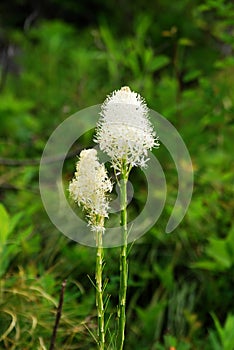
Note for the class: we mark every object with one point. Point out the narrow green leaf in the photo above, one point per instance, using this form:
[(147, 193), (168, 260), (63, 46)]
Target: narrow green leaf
[(217, 250), (158, 62), (4, 225)]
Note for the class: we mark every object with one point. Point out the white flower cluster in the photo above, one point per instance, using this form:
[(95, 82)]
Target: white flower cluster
[(124, 131), (90, 186)]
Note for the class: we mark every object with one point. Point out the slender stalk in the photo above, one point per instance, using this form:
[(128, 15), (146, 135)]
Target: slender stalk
[(99, 292), (123, 259), (58, 316)]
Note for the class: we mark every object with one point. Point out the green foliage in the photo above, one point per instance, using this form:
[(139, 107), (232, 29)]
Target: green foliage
[(10, 245), (179, 56), (223, 338), (220, 253)]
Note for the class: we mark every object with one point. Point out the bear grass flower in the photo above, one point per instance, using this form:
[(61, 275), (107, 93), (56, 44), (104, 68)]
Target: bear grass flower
[(125, 134), (89, 188), (124, 131)]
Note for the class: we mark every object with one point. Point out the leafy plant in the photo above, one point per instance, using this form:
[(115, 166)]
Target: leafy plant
[(223, 338), (220, 253), (10, 246)]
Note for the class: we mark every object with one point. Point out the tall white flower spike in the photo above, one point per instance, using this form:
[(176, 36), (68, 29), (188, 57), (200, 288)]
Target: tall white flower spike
[(124, 131), (89, 188)]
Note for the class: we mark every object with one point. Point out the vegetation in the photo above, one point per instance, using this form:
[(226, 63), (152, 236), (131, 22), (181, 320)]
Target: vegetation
[(61, 57)]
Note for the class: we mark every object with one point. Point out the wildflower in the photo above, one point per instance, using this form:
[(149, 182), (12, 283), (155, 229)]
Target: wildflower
[(124, 131), (89, 188)]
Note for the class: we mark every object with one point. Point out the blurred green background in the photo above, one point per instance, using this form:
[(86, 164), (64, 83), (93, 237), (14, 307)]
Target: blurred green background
[(58, 57)]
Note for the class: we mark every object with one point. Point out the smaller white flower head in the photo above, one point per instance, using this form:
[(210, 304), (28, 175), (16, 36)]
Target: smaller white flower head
[(90, 186), (124, 131)]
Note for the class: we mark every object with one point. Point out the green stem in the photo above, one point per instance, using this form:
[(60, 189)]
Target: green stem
[(123, 259), (99, 292)]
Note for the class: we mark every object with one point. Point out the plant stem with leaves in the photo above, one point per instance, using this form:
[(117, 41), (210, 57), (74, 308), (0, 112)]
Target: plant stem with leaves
[(99, 292), (123, 258)]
